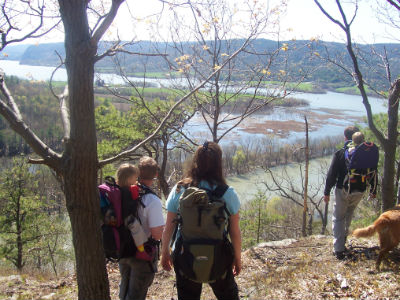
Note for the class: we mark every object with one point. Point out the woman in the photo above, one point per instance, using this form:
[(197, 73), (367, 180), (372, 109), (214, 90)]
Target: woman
[(205, 172)]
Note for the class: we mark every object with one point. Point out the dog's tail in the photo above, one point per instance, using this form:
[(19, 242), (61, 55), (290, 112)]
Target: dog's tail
[(365, 232)]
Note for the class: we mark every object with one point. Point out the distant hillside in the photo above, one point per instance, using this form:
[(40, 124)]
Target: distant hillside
[(43, 54), (14, 52), (301, 57)]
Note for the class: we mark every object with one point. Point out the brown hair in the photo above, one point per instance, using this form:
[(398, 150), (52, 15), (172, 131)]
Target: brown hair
[(125, 171), (357, 138), (205, 165), (148, 168), (349, 131)]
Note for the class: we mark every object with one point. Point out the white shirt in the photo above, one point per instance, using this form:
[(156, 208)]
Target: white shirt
[(151, 215)]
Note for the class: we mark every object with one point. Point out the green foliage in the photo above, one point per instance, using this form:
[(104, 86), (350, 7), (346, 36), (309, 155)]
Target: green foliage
[(257, 215), (40, 111), (116, 130), (31, 230), (353, 90), (239, 160), (19, 207)]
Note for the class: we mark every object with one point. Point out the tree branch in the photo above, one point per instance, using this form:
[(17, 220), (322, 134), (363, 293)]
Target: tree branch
[(396, 5), (357, 72), (163, 122), (10, 100), (65, 114), (329, 16), (51, 158), (98, 34), (120, 49), (32, 34)]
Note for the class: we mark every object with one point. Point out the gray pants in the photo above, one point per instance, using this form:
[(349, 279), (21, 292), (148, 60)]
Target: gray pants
[(136, 278), (343, 210)]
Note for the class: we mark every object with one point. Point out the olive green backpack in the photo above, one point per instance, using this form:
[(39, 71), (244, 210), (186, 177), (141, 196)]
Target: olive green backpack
[(202, 251)]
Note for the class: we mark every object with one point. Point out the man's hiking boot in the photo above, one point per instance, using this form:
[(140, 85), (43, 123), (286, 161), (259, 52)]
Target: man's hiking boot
[(340, 255), (344, 255)]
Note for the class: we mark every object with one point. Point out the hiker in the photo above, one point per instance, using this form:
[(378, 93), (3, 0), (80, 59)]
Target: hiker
[(137, 272), (349, 188), (205, 172)]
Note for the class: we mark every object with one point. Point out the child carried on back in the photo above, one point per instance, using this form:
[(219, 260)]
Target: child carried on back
[(127, 176), (357, 139)]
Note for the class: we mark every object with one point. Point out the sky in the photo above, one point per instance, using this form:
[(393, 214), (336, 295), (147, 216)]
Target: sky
[(301, 19)]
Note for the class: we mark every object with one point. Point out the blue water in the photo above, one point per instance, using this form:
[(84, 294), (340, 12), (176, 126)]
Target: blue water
[(327, 113)]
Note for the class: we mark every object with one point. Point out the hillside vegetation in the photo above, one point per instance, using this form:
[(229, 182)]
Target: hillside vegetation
[(289, 269), (301, 55)]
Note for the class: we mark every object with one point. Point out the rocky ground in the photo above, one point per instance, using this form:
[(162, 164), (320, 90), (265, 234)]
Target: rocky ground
[(288, 269)]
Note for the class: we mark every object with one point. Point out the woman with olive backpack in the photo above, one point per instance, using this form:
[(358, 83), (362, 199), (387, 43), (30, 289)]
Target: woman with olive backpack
[(203, 228)]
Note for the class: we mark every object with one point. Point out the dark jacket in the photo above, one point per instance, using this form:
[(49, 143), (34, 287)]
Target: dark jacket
[(337, 174)]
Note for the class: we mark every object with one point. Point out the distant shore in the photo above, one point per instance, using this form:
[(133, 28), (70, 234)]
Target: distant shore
[(303, 87)]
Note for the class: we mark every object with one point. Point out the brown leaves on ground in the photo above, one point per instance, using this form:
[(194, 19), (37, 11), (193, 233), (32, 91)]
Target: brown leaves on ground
[(288, 269)]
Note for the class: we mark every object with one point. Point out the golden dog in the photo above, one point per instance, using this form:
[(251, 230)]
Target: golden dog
[(388, 228)]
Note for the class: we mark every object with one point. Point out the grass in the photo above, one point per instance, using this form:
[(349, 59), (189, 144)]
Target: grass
[(164, 93), (306, 87), (158, 75), (352, 90)]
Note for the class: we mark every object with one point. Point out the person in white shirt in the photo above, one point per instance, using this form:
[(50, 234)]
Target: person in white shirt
[(137, 274)]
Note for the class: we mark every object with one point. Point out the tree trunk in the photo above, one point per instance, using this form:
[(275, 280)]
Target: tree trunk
[(310, 223), (19, 248), (259, 221), (19, 233), (161, 175), (387, 188), (390, 148), (80, 155), (305, 208)]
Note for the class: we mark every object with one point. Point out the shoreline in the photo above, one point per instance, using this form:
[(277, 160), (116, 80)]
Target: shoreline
[(315, 89)]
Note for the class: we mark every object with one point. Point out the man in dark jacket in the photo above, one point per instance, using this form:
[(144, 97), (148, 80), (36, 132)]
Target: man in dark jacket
[(345, 201)]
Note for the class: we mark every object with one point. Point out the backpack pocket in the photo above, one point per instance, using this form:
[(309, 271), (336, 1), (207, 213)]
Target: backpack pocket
[(203, 261), (110, 241)]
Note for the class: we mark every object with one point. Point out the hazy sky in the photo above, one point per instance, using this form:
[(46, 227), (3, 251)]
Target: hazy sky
[(302, 20), (307, 20)]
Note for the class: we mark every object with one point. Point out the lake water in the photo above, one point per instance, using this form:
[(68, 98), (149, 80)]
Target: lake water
[(327, 113)]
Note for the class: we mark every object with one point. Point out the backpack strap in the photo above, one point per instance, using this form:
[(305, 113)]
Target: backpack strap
[(109, 180), (218, 193), (144, 190), (220, 190)]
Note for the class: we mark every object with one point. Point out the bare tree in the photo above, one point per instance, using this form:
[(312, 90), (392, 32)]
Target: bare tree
[(14, 30), (149, 111), (218, 29), (77, 166), (388, 140), (387, 12), (284, 186)]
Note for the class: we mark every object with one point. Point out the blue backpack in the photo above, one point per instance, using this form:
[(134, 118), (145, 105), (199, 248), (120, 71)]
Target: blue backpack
[(361, 164)]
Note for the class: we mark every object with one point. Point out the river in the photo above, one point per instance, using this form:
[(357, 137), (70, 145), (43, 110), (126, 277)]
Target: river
[(327, 115), (247, 185)]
